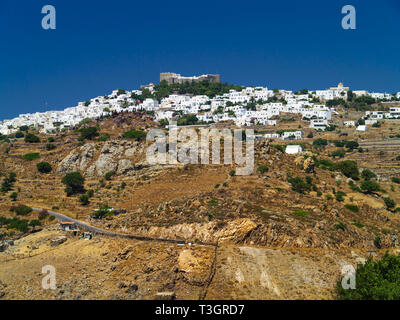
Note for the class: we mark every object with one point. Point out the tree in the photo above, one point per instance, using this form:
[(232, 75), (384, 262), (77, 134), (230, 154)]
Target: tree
[(19, 134), (320, 142), (299, 185), (351, 144), (349, 169), (375, 280), (21, 210), (338, 153), (8, 182), (74, 183), (34, 223), (14, 196), (396, 180), (88, 133), (350, 95), (369, 186), (390, 203), (44, 167), (24, 128), (50, 146), (368, 174), (31, 138)]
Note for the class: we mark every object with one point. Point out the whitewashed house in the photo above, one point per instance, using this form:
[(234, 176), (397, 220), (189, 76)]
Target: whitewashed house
[(293, 149), (362, 128)]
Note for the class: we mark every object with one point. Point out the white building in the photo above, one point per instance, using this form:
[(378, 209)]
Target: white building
[(319, 124), (362, 128), (292, 135), (349, 123), (293, 149)]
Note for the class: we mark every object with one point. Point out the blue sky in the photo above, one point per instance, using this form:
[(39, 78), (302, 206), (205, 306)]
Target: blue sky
[(101, 45)]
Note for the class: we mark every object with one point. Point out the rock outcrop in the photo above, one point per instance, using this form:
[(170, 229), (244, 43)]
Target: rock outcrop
[(119, 156)]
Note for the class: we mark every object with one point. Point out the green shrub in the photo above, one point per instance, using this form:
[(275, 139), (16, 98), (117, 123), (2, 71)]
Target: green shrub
[(24, 128), (103, 137), (368, 174), (353, 186), (19, 134), (88, 133), (390, 203), (34, 223), (340, 153), (351, 144), (339, 143), (320, 142), (299, 185), (44, 167), (109, 175), (340, 196), (90, 193), (74, 182), (134, 134), (377, 242), (262, 169), (352, 207), (232, 173), (349, 169), (301, 213), (14, 196), (340, 226), (31, 156), (324, 164), (18, 224), (31, 138), (329, 197), (8, 182), (21, 210), (375, 280), (84, 199), (50, 146), (396, 180), (369, 186), (358, 224)]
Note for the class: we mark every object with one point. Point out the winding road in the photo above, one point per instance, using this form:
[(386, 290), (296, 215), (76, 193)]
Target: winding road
[(63, 218)]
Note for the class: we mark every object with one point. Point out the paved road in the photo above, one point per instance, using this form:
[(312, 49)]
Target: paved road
[(63, 218)]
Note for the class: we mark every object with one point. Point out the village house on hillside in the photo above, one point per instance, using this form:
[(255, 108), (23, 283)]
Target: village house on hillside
[(246, 107)]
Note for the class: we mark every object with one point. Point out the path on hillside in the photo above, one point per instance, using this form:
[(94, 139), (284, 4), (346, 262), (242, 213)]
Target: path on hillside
[(63, 218)]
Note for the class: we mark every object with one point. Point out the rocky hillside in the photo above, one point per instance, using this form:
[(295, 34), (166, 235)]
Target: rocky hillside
[(304, 212)]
